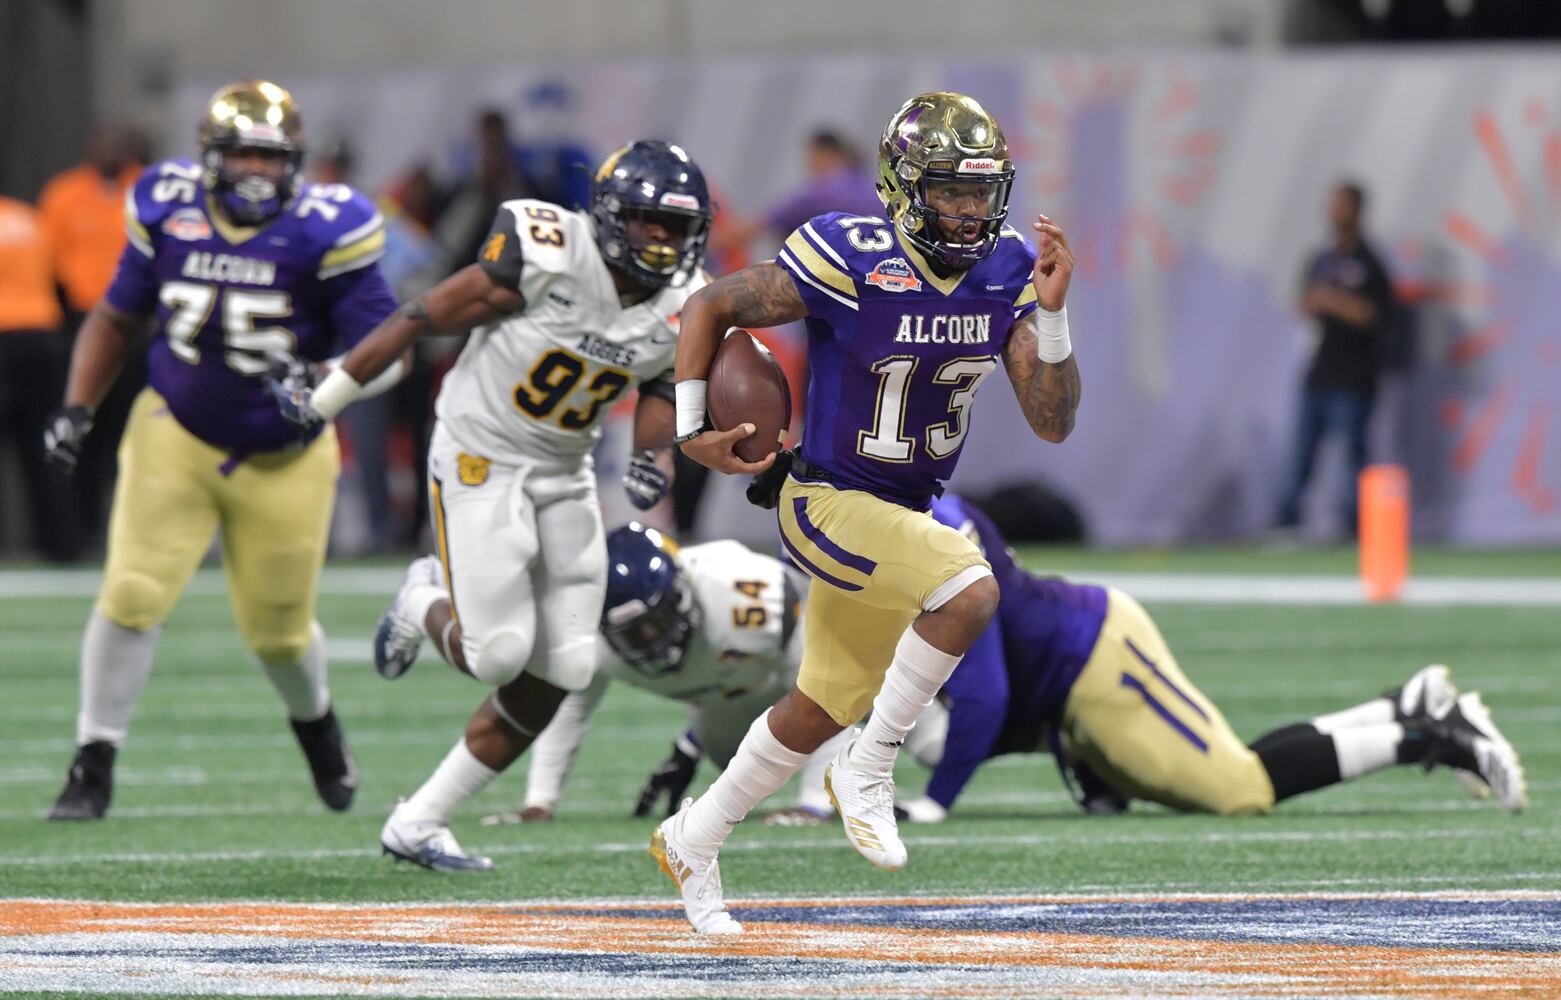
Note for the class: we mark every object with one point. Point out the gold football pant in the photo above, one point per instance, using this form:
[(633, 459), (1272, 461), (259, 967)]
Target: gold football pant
[(274, 511), (875, 566), (1135, 719)]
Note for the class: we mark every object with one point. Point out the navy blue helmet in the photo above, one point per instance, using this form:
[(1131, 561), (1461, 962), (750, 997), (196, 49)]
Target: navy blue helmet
[(651, 184), (650, 613)]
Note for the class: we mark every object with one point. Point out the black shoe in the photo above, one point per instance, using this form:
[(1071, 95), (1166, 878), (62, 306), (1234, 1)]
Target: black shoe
[(89, 786), (330, 761)]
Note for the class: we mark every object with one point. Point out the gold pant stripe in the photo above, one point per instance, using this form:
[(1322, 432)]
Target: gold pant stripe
[(437, 489)]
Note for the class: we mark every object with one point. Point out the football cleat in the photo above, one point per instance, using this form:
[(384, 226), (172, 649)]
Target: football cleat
[(427, 843), (1430, 692), (330, 761), (89, 786), (398, 637), (1471, 742), (698, 879), (865, 802)]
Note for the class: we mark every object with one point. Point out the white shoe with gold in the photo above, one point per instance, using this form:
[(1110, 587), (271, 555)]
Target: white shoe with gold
[(698, 879), (865, 801)]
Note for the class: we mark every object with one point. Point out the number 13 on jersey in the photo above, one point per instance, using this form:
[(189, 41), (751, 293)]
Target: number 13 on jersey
[(889, 440)]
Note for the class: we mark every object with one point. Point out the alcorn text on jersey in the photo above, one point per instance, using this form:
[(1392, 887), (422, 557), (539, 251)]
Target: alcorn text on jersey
[(535, 386)]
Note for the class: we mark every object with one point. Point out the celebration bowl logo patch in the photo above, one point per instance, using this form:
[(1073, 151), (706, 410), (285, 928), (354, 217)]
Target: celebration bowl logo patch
[(894, 275), (188, 224)]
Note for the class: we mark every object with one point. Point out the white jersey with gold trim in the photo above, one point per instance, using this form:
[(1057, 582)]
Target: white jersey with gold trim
[(535, 386)]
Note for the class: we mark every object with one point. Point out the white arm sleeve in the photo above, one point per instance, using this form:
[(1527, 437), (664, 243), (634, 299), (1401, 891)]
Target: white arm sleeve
[(553, 753)]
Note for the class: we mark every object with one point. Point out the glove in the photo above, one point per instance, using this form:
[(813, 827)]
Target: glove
[(764, 491), (645, 483), (922, 810), (291, 382), (672, 776), (64, 432)]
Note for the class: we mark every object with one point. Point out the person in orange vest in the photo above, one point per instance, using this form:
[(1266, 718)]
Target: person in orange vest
[(32, 374), (82, 213)]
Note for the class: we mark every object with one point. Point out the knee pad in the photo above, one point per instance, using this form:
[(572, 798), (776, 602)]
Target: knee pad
[(501, 657), (134, 601), (285, 650), (570, 667)]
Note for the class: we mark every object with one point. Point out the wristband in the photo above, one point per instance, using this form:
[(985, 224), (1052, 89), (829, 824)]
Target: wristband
[(1051, 335), (690, 394), (332, 395)]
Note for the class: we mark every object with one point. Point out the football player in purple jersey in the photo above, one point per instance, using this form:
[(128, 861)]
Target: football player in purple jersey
[(1084, 671), (906, 316), (243, 271)]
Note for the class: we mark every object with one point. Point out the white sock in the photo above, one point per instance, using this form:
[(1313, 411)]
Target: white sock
[(420, 600), (457, 778), (302, 684), (115, 664), (1364, 749), (811, 793), (913, 680), (761, 765), (1375, 712)]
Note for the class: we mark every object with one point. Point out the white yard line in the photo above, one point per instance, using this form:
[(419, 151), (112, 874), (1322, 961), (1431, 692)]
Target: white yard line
[(1189, 588), (802, 843)]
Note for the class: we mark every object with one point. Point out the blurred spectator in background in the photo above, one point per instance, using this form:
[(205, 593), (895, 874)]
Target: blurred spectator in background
[(83, 215), (553, 159), (32, 375), (838, 181), (496, 178), (1349, 293)]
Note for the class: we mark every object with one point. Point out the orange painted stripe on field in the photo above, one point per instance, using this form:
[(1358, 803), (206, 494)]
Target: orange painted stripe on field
[(1331, 969)]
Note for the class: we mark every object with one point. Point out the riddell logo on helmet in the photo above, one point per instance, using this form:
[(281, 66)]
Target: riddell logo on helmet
[(674, 200), (187, 224), (978, 166), (894, 275)]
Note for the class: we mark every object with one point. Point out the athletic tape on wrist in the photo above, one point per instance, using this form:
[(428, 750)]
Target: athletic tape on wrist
[(691, 394), (333, 394), (1051, 342)]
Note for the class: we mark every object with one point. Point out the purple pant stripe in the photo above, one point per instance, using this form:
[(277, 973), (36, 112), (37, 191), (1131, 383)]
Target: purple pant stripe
[(1146, 661), (1129, 681), (861, 564), (814, 571)]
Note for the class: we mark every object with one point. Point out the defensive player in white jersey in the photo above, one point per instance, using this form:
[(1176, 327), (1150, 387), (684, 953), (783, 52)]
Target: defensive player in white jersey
[(568, 312), (715, 626)]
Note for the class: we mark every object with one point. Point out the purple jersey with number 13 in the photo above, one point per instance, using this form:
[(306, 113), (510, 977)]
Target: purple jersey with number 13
[(896, 353), (228, 300)]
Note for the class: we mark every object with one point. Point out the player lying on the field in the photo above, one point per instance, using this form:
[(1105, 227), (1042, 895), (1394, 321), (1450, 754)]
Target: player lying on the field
[(570, 311), (245, 268), (715, 626), (1084, 671), (906, 316)]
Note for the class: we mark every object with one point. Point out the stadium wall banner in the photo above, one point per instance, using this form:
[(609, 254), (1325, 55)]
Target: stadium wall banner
[(1193, 187)]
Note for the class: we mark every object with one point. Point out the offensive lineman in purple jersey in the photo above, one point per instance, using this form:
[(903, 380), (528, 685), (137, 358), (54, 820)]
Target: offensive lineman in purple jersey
[(906, 316), (244, 270), (1085, 671)]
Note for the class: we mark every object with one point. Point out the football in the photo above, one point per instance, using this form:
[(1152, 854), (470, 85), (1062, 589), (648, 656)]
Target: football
[(748, 386)]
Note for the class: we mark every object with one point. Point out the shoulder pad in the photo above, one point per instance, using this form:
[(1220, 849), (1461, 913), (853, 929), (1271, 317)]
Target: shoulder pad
[(834, 251), (162, 189), (342, 225), (550, 236)]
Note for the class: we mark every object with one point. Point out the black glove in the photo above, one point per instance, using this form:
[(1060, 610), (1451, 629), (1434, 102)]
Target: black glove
[(765, 489), (64, 432), (645, 483), (291, 382), (672, 776)]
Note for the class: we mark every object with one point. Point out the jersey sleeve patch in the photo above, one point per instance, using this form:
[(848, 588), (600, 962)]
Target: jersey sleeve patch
[(502, 256)]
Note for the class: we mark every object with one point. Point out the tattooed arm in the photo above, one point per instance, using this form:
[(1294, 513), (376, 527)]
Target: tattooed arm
[(758, 296), (467, 298), (1048, 393)]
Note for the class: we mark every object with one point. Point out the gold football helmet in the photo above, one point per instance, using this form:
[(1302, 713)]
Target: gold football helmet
[(944, 177), (253, 115)]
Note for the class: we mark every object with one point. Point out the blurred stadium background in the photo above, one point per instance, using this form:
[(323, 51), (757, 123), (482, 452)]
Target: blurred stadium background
[(1189, 146)]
